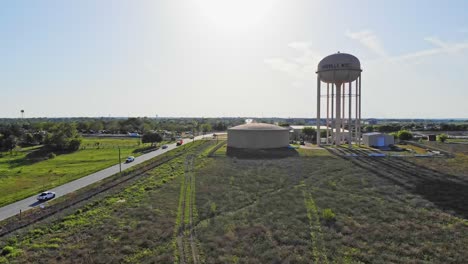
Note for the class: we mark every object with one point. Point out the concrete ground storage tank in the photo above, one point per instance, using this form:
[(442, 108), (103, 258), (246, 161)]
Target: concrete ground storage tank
[(258, 136)]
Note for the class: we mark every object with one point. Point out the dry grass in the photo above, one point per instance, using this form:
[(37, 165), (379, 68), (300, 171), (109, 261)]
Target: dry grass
[(272, 211), (310, 207)]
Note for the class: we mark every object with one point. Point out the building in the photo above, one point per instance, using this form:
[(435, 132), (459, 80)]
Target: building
[(376, 139), (258, 136)]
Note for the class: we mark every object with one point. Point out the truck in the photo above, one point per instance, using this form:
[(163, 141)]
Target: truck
[(179, 142)]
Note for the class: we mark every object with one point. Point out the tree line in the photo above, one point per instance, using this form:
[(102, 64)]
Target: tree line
[(395, 127), (64, 134), (58, 137)]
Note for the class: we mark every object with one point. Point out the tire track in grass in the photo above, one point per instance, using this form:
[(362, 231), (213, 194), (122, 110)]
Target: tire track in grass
[(180, 223), (186, 249), (191, 211), (316, 236)]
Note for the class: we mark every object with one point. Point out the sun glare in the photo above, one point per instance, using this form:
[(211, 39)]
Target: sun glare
[(235, 15)]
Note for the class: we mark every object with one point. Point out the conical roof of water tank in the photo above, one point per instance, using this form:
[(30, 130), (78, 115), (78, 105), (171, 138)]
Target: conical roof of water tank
[(339, 68)]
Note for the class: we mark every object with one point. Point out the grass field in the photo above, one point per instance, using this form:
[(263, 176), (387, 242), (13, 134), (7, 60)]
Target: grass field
[(322, 209), (309, 208), (137, 224), (22, 176)]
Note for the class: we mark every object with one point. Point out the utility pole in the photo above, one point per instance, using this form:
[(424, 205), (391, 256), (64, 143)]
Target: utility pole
[(120, 163)]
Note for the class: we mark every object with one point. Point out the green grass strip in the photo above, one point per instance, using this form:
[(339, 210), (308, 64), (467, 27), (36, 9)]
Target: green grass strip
[(318, 251)]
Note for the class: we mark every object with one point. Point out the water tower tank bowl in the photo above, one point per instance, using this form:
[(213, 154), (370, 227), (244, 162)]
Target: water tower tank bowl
[(339, 68)]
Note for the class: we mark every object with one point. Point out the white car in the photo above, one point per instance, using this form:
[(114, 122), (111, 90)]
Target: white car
[(45, 196), (129, 159)]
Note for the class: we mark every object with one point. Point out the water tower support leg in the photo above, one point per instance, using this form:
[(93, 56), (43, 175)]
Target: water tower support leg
[(343, 115), (318, 110), (332, 121), (338, 115), (328, 114), (349, 116), (359, 122), (356, 113)]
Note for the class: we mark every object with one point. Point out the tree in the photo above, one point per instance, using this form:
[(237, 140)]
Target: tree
[(219, 126), (394, 134), (63, 136), (404, 135), (206, 127), (39, 137), (96, 126), (442, 138), (309, 132), (146, 128), (10, 143), (29, 139), (151, 138)]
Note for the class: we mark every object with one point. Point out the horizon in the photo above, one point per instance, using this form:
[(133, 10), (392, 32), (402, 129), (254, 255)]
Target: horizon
[(230, 117), (198, 58)]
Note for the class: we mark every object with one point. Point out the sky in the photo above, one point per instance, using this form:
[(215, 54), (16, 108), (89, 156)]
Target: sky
[(212, 58)]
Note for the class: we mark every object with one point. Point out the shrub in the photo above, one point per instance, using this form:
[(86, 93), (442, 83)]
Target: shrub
[(74, 144), (7, 250), (328, 215), (442, 138), (51, 155), (10, 251), (404, 135), (213, 208)]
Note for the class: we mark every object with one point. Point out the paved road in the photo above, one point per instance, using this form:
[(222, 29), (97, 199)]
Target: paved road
[(31, 202)]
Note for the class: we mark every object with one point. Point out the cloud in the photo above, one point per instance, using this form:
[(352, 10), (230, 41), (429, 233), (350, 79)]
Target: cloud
[(441, 48), (150, 67), (373, 43), (369, 40), (301, 67)]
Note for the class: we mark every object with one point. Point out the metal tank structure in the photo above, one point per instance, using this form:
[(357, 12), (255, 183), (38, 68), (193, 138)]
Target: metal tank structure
[(258, 136), (341, 72)]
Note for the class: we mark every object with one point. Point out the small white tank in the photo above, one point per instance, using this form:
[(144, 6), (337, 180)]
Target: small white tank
[(339, 68)]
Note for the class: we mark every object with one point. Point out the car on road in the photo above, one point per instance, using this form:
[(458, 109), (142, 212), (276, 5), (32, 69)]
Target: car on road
[(129, 159), (46, 196), (164, 147), (179, 142)]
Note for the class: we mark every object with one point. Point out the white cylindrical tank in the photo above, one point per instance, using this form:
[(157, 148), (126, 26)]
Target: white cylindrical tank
[(258, 136), (339, 68)]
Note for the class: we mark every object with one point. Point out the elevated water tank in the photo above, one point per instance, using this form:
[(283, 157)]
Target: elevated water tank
[(339, 68)]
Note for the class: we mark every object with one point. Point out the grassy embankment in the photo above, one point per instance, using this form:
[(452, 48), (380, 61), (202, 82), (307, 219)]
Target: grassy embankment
[(310, 207), (24, 173)]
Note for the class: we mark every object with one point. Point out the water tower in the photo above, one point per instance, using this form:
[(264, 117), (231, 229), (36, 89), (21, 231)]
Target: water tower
[(336, 71)]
